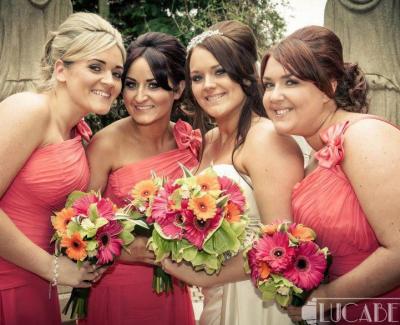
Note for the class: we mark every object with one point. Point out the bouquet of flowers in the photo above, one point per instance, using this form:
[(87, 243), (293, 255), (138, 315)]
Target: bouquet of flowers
[(140, 208), (89, 228), (199, 219), (285, 263)]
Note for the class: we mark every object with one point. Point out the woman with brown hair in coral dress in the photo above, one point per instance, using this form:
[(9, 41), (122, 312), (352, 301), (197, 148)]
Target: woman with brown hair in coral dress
[(350, 196), (42, 160), (125, 153)]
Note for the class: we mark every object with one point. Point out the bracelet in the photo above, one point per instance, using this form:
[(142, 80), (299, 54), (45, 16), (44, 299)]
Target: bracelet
[(54, 281), (56, 266)]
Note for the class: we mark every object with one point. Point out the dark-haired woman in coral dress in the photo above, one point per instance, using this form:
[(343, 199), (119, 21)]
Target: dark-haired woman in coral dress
[(125, 153), (42, 160), (351, 194)]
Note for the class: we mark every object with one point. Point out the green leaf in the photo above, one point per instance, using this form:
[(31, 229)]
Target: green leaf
[(126, 237), (282, 300), (91, 245), (75, 195), (189, 253)]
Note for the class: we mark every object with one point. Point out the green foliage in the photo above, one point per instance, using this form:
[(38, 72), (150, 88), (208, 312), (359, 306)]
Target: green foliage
[(185, 19)]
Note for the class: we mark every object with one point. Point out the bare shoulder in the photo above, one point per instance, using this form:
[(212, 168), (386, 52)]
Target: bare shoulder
[(262, 134), (106, 140), (26, 107), (371, 142)]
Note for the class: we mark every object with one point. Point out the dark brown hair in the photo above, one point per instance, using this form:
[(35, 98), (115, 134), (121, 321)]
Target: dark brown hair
[(236, 52), (315, 54), (165, 55)]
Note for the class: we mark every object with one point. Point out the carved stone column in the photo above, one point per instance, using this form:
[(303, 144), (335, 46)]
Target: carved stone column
[(24, 25), (370, 34)]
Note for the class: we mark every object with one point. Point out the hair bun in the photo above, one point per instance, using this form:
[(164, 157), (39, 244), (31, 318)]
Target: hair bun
[(352, 89)]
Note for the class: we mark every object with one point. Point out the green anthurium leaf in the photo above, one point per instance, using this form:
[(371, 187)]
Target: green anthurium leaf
[(75, 195), (268, 290), (225, 239), (74, 227), (93, 214), (91, 245), (126, 237), (282, 300), (208, 246), (189, 253)]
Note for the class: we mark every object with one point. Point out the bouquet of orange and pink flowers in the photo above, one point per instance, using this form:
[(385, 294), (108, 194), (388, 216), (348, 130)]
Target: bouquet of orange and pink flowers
[(199, 219), (285, 263), (90, 228), (140, 208)]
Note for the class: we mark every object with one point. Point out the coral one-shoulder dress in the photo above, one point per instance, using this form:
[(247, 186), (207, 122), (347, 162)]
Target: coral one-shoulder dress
[(124, 295), (326, 202), (40, 188)]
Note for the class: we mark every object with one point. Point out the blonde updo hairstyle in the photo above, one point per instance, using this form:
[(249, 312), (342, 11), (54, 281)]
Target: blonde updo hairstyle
[(80, 36)]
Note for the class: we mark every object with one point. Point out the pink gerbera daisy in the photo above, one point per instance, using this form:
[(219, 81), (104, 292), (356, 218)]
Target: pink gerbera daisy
[(308, 268), (275, 251), (231, 189), (160, 207), (82, 204), (109, 243), (198, 230), (105, 208)]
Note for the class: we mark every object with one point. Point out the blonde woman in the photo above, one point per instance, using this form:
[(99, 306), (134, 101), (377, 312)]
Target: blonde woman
[(42, 160)]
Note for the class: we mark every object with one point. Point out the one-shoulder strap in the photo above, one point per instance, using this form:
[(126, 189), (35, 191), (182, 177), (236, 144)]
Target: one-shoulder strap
[(333, 137)]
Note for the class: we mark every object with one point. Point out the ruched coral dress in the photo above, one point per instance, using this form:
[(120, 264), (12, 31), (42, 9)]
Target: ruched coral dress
[(124, 295), (326, 202), (40, 188)]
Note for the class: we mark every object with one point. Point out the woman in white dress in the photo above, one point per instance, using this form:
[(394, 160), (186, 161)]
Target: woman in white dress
[(223, 85)]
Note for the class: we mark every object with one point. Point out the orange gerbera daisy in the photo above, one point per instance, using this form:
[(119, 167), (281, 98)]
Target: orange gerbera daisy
[(232, 212), (269, 229), (264, 270), (303, 233), (61, 219), (76, 247), (144, 189), (208, 182), (203, 207)]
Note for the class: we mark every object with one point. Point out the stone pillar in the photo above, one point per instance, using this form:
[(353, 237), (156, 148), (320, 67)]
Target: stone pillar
[(370, 34), (24, 25)]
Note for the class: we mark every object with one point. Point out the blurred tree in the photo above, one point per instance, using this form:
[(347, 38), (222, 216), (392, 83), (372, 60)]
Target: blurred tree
[(184, 19)]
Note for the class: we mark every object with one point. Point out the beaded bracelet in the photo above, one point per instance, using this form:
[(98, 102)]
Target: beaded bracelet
[(54, 281), (56, 266)]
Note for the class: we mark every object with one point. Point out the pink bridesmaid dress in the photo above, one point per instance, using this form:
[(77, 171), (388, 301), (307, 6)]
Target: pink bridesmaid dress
[(124, 295), (326, 202), (39, 189)]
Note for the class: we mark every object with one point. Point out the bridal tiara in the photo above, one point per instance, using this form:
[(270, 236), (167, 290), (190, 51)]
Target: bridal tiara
[(201, 37)]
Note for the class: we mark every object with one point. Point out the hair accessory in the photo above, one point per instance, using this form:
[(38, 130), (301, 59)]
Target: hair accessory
[(201, 37)]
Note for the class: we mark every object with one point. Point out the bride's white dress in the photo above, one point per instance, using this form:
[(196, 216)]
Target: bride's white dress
[(239, 303)]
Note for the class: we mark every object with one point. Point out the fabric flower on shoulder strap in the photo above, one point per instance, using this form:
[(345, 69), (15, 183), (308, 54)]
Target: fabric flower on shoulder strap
[(333, 152), (83, 129), (186, 137)]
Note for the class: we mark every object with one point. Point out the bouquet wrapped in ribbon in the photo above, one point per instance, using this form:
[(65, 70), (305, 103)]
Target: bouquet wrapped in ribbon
[(89, 228), (285, 263), (140, 208), (199, 220)]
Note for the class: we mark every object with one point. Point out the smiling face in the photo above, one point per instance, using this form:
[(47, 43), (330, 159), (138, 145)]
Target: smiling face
[(216, 93), (144, 98), (93, 84), (295, 106)]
